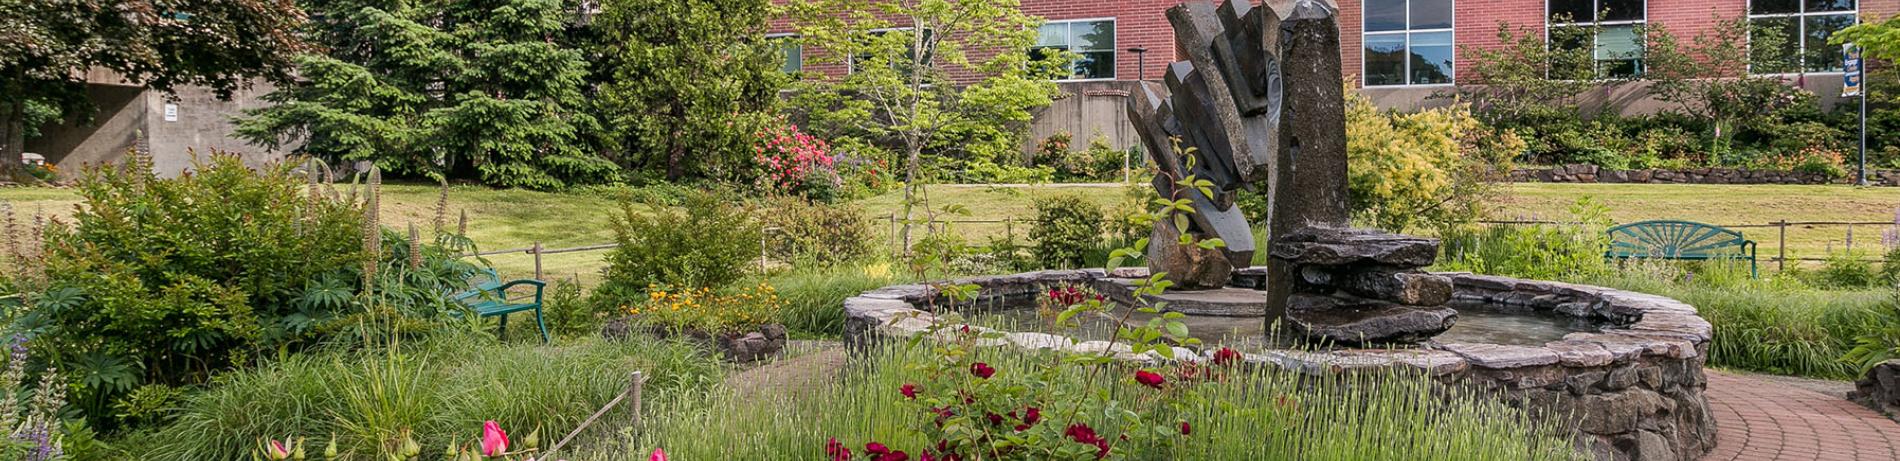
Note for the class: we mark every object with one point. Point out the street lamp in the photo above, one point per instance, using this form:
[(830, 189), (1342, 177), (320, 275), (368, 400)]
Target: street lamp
[(1141, 62)]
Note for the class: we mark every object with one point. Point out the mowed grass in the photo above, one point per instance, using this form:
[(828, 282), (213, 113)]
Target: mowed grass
[(497, 220), (1728, 205), (504, 219)]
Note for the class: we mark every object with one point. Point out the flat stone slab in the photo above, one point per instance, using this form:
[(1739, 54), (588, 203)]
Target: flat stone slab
[(1342, 246), (1218, 302), (1367, 322), (1503, 356)]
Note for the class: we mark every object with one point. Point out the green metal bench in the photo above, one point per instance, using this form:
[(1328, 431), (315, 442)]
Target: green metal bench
[(488, 297), (1681, 240)]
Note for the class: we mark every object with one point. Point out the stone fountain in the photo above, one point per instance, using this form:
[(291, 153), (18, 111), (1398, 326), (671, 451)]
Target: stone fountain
[(1258, 104)]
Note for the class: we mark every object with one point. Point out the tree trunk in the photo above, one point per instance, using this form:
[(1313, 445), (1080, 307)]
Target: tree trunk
[(913, 151), (676, 147), (12, 139)]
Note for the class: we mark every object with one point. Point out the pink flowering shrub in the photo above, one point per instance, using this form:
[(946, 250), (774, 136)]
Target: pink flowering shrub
[(796, 163)]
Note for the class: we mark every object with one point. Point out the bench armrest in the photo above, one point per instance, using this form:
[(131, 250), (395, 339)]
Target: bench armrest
[(538, 285)]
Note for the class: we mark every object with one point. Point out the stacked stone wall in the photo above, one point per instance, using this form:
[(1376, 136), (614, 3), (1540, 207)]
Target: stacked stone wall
[(1584, 173)]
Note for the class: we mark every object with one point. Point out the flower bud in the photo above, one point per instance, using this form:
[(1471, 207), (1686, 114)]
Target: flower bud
[(410, 448), (329, 451), (533, 440)]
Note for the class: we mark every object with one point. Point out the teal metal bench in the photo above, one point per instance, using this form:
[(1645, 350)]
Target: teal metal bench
[(487, 295), (1681, 240)]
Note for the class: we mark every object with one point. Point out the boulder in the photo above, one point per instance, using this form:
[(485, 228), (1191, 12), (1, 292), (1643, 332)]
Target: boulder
[(1880, 389), (1189, 267)]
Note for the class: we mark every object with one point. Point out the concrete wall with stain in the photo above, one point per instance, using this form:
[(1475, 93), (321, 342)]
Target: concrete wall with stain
[(198, 124)]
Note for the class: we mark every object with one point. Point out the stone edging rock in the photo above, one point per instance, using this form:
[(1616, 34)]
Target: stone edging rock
[(1635, 389), (1586, 173)]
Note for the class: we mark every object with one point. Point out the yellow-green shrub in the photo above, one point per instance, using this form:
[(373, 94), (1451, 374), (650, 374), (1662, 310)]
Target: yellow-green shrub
[(1425, 168)]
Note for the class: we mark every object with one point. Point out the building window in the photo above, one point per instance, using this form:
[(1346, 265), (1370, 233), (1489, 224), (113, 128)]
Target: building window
[(1791, 35), (1092, 41), (1610, 29), (1408, 42), (909, 58), (789, 48)]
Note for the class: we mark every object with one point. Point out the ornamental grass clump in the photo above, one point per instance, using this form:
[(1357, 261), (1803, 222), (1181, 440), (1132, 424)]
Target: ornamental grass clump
[(1240, 413)]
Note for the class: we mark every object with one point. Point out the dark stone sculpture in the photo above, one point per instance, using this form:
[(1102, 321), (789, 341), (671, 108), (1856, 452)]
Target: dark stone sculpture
[(1259, 103)]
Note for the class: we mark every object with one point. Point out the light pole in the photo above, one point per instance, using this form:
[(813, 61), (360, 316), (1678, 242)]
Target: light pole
[(1141, 75), (1141, 62)]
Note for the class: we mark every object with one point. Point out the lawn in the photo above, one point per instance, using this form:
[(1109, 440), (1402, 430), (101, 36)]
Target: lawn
[(503, 219)]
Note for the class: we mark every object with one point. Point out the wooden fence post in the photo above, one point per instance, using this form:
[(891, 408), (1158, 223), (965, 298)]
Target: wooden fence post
[(1781, 260), (639, 381), (537, 260)]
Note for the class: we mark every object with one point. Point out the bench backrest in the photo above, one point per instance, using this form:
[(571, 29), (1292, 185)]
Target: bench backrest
[(1673, 239), (483, 284)]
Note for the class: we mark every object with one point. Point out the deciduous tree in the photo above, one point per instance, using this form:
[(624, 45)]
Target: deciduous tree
[(47, 47), (901, 55)]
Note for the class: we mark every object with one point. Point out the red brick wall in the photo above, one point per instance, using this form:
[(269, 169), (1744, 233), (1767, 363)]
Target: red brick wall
[(1138, 23), (1142, 23)]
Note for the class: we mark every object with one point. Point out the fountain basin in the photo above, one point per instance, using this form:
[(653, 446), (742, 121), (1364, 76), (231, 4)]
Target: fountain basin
[(1625, 367)]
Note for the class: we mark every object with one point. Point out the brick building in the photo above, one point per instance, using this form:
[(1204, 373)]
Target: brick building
[(1402, 52)]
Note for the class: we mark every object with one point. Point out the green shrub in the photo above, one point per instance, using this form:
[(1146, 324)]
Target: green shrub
[(569, 313), (705, 243), (168, 281), (441, 390), (814, 232), (1066, 228), (1538, 251), (1430, 168), (1846, 270)]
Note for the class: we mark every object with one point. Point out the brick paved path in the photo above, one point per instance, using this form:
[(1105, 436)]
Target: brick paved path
[(1762, 420)]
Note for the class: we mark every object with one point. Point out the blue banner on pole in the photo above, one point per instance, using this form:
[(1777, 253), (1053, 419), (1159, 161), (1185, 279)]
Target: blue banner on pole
[(1850, 70)]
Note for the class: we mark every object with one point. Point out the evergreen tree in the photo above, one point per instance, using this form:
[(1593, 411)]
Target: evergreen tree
[(483, 89), (692, 81)]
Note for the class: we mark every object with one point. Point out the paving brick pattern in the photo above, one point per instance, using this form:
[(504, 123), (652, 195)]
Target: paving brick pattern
[(1762, 420)]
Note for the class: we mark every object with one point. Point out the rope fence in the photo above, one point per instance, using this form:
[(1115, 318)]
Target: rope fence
[(1780, 256)]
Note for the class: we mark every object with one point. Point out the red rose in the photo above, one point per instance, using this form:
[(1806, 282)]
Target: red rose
[(1032, 415), (898, 455), (875, 448), (982, 370), (836, 450), (909, 391), (1086, 435), (995, 419), (1150, 379), (1185, 429), (1226, 356), (1082, 433)]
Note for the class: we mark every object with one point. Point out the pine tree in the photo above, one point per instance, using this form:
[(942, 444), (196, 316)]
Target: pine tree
[(491, 90), (692, 81)]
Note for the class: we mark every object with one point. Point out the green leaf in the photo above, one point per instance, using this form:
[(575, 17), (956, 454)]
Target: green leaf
[(1177, 329)]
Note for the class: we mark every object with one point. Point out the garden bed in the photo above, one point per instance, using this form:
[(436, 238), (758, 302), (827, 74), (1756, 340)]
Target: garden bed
[(1634, 388)]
